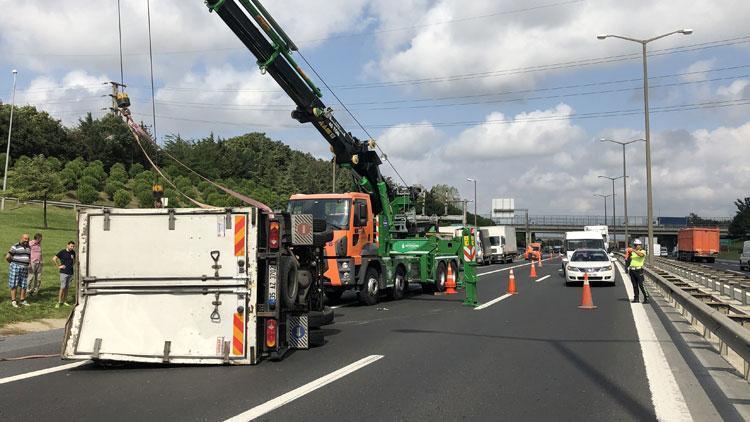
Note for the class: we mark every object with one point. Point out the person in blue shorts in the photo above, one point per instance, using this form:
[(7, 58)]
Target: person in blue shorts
[(18, 257)]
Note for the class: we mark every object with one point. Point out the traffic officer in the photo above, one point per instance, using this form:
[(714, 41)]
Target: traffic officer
[(637, 259)]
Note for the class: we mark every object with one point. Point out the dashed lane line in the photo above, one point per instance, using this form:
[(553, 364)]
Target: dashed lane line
[(509, 268), (45, 371), (669, 403), (311, 386), (543, 278), (492, 302)]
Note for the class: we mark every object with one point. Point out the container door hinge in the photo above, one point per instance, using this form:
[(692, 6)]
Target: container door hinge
[(171, 219), (106, 219)]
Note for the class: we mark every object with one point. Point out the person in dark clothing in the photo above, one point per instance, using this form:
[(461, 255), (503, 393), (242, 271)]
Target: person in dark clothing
[(64, 261)]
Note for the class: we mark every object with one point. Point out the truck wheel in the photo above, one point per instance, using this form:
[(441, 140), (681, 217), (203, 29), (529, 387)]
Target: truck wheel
[(369, 293), (288, 280), (442, 276), (334, 295), (317, 319), (399, 285)]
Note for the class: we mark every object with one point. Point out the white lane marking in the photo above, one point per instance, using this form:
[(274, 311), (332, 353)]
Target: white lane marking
[(543, 278), (283, 399), (669, 403), (43, 372), (515, 266), (493, 301), (342, 305), (736, 272)]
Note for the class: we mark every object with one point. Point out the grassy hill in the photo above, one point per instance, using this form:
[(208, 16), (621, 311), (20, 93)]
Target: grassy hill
[(16, 220)]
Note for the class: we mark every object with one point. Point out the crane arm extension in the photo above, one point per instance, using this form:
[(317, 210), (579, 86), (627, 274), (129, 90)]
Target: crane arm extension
[(272, 48)]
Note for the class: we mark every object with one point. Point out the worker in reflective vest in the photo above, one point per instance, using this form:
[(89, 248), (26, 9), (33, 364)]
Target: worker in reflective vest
[(637, 259)]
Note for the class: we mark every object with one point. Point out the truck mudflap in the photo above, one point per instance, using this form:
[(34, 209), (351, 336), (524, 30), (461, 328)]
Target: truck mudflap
[(178, 326)]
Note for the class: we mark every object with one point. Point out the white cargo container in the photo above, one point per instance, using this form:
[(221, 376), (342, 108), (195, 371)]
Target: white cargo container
[(186, 286), (503, 243)]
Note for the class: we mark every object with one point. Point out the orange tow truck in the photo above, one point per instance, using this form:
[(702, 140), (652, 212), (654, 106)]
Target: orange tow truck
[(533, 251)]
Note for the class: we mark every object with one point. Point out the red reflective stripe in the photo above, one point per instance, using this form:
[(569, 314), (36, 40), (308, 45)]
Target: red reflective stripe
[(239, 235), (239, 335)]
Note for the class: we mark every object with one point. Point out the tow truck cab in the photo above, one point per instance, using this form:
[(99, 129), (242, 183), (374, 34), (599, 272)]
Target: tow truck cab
[(355, 241)]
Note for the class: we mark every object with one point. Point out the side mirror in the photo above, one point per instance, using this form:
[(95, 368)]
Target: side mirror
[(360, 215)]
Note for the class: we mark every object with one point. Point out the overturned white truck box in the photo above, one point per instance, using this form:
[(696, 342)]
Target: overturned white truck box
[(217, 286)]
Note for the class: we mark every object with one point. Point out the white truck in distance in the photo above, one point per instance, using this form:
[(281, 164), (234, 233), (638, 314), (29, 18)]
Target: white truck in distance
[(503, 243), (195, 286), (602, 230), (581, 240)]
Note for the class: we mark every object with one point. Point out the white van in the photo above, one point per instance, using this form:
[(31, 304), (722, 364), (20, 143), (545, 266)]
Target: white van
[(745, 256)]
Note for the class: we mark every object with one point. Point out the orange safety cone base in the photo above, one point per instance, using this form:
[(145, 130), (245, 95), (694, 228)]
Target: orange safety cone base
[(533, 270), (512, 284), (450, 283)]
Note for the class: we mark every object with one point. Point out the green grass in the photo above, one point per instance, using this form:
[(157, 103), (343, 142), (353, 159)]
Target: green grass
[(15, 221), (733, 251)]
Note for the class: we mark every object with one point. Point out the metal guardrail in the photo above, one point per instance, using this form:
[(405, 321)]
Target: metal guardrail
[(61, 204), (598, 220), (730, 333)]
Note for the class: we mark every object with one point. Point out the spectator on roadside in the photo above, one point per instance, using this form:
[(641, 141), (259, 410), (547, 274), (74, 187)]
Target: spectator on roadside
[(18, 257), (35, 265), (64, 261)]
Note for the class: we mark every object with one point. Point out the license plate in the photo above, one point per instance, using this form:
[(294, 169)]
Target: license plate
[(272, 280)]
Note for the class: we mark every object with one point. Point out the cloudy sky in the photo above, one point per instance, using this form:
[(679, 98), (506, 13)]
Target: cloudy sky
[(515, 93)]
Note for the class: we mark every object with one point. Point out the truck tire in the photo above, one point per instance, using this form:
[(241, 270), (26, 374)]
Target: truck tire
[(369, 293), (400, 285), (315, 338), (441, 277), (288, 281), (317, 319)]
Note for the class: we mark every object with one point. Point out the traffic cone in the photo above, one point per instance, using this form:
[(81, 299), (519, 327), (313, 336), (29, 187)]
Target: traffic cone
[(512, 284), (450, 283), (533, 270), (540, 260), (586, 301)]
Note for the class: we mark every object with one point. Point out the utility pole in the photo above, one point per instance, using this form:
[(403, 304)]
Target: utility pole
[(624, 180), (116, 86), (10, 130)]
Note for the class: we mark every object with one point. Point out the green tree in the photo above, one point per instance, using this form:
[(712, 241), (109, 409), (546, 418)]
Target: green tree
[(145, 199), (87, 194), (135, 169), (740, 225), (38, 180), (112, 187), (122, 198), (117, 173)]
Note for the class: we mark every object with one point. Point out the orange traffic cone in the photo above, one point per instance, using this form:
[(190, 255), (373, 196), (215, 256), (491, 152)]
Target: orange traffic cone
[(533, 270), (587, 302), (540, 260), (450, 283), (512, 284)]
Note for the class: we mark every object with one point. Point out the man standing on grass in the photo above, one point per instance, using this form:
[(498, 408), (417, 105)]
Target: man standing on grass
[(35, 266), (64, 261), (18, 257)]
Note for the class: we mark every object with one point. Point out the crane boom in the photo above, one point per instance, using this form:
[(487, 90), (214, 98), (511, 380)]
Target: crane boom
[(272, 47)]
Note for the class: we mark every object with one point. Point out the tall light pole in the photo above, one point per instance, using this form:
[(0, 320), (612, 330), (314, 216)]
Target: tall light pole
[(649, 193), (475, 199), (624, 179), (614, 208), (7, 149), (605, 203)]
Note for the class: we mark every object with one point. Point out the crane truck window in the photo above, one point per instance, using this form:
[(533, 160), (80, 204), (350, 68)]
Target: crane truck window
[(334, 211)]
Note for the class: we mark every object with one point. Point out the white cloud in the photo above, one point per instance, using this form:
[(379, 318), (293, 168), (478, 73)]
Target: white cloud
[(68, 97), (523, 135), (698, 71), (410, 141)]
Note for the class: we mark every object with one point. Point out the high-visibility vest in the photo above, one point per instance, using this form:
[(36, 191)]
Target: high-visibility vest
[(636, 261)]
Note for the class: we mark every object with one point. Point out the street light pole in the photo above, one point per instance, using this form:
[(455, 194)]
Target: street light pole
[(7, 149), (649, 192), (475, 199), (614, 210), (624, 180), (605, 204)]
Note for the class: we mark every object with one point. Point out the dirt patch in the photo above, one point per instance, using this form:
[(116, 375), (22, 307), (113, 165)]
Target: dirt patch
[(24, 327)]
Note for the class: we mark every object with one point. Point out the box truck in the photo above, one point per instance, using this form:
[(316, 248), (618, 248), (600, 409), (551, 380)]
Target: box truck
[(196, 286), (698, 244), (503, 243)]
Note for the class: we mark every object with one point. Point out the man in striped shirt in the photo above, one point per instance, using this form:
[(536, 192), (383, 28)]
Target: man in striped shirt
[(19, 257)]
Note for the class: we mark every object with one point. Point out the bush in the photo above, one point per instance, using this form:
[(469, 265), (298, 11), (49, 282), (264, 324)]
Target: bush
[(112, 187), (96, 171), (135, 169), (122, 198), (145, 199), (87, 194), (91, 181), (68, 178), (118, 174)]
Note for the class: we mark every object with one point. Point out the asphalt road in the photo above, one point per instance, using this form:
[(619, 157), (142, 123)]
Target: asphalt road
[(531, 356)]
